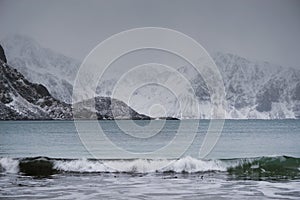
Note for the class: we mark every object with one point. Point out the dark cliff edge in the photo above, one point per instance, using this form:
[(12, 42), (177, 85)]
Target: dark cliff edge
[(2, 55), (23, 100)]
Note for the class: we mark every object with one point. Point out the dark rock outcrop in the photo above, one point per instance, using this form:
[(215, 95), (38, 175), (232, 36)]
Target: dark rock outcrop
[(2, 55), (105, 108)]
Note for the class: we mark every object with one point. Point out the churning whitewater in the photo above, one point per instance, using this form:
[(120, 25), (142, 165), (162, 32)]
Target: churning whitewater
[(276, 167)]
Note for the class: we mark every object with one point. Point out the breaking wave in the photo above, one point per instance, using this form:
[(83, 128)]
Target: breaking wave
[(260, 168)]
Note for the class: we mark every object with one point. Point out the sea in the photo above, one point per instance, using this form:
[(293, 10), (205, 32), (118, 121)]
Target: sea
[(249, 159)]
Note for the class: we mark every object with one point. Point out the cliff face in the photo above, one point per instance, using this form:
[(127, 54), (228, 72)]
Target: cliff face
[(2, 55), (22, 99)]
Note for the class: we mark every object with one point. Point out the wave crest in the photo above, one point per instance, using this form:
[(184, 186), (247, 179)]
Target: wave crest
[(244, 168)]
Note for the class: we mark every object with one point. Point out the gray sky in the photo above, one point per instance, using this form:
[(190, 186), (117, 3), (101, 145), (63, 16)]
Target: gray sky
[(267, 30)]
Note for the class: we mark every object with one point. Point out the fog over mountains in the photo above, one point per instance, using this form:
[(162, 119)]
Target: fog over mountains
[(254, 90)]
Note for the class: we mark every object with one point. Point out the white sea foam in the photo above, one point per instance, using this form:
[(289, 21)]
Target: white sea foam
[(81, 165), (186, 164), (9, 165), (182, 165)]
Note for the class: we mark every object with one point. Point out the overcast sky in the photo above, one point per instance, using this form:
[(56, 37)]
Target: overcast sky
[(267, 30)]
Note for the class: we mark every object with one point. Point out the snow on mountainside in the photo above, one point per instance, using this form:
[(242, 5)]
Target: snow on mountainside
[(21, 99), (42, 65), (259, 89), (253, 89)]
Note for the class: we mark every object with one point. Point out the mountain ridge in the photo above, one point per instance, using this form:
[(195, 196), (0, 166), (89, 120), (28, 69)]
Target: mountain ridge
[(21, 99), (254, 90)]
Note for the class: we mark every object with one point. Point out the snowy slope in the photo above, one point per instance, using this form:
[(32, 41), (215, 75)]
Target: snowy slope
[(21, 99), (258, 89), (42, 65), (253, 89)]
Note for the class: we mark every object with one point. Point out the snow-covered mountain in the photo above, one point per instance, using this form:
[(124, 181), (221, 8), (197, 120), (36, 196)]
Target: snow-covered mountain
[(253, 89), (21, 99), (42, 65), (259, 89)]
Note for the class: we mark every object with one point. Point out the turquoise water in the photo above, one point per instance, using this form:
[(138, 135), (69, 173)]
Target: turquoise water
[(251, 159), (239, 138)]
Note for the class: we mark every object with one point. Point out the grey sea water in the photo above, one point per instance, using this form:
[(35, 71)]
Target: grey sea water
[(252, 159)]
